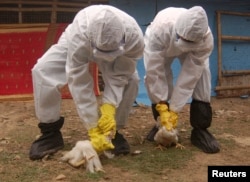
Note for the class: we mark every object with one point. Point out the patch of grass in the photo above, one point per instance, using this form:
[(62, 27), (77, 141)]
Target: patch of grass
[(214, 130), (5, 157), (228, 130), (93, 176), (230, 120), (24, 173), (21, 137), (152, 160), (32, 173), (228, 142), (245, 120)]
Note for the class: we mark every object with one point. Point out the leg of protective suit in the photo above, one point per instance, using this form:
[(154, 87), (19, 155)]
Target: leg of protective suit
[(170, 78), (202, 90), (129, 96), (201, 114), (122, 113), (48, 77)]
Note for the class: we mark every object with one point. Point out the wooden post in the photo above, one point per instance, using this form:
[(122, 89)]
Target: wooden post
[(20, 17), (219, 47), (53, 12)]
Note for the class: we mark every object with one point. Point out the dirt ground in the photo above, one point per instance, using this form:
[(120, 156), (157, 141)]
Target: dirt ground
[(18, 128)]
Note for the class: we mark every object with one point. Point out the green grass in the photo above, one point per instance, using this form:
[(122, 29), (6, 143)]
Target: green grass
[(5, 157), (19, 170), (93, 176), (152, 160), (228, 143)]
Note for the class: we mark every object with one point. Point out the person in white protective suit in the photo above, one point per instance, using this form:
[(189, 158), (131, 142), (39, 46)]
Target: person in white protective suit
[(183, 34), (112, 39)]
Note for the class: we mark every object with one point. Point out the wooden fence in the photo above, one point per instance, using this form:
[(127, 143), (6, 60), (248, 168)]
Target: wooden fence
[(231, 83), (45, 11)]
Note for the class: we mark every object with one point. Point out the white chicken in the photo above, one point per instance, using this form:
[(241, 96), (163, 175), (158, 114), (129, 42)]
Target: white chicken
[(84, 154), (167, 138)]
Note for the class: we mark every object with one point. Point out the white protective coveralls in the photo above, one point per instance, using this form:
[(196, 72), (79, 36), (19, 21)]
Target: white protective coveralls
[(163, 44), (95, 28)]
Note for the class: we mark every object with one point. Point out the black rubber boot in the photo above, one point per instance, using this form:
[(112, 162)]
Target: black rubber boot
[(200, 119), (204, 140), (121, 145), (151, 134), (50, 142), (154, 130)]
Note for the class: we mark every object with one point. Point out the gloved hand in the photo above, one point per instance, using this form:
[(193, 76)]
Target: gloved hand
[(168, 118), (107, 123), (99, 141), (173, 118)]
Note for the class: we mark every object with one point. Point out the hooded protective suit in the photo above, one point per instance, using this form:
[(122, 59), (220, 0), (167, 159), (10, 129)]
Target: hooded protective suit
[(183, 34), (98, 33)]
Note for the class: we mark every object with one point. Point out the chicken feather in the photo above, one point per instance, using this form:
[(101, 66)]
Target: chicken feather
[(167, 138)]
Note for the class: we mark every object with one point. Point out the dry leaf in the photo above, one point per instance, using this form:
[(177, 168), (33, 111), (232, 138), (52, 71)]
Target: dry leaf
[(60, 177), (17, 157)]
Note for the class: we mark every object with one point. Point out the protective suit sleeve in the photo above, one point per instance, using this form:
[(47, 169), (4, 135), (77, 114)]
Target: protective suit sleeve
[(115, 76), (193, 67), (154, 62)]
